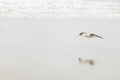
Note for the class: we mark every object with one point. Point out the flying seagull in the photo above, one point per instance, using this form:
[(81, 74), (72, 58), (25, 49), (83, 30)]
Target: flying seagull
[(87, 61), (91, 35)]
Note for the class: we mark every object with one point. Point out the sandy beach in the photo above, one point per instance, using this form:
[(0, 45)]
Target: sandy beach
[(34, 49), (39, 39)]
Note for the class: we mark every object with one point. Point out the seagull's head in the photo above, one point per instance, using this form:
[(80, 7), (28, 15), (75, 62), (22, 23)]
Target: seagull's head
[(82, 33), (79, 59)]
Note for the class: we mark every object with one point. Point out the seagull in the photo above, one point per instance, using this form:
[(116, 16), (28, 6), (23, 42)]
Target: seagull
[(91, 35), (89, 61)]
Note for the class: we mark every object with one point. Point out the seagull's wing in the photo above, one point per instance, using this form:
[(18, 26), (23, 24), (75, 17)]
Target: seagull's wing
[(98, 36)]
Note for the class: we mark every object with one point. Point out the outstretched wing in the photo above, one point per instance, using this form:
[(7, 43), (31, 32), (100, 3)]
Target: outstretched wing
[(98, 36)]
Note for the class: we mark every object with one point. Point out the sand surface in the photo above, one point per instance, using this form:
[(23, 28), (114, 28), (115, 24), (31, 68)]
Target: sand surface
[(32, 49)]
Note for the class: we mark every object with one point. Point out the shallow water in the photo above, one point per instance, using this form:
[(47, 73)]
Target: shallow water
[(60, 9)]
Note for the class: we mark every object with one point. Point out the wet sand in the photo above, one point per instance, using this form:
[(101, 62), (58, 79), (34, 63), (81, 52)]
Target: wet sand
[(34, 49)]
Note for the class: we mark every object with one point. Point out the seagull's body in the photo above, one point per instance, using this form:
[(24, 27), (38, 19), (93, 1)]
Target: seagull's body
[(89, 35), (87, 61)]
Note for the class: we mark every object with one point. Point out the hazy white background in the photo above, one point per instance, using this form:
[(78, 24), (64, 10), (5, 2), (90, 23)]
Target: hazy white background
[(48, 48)]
